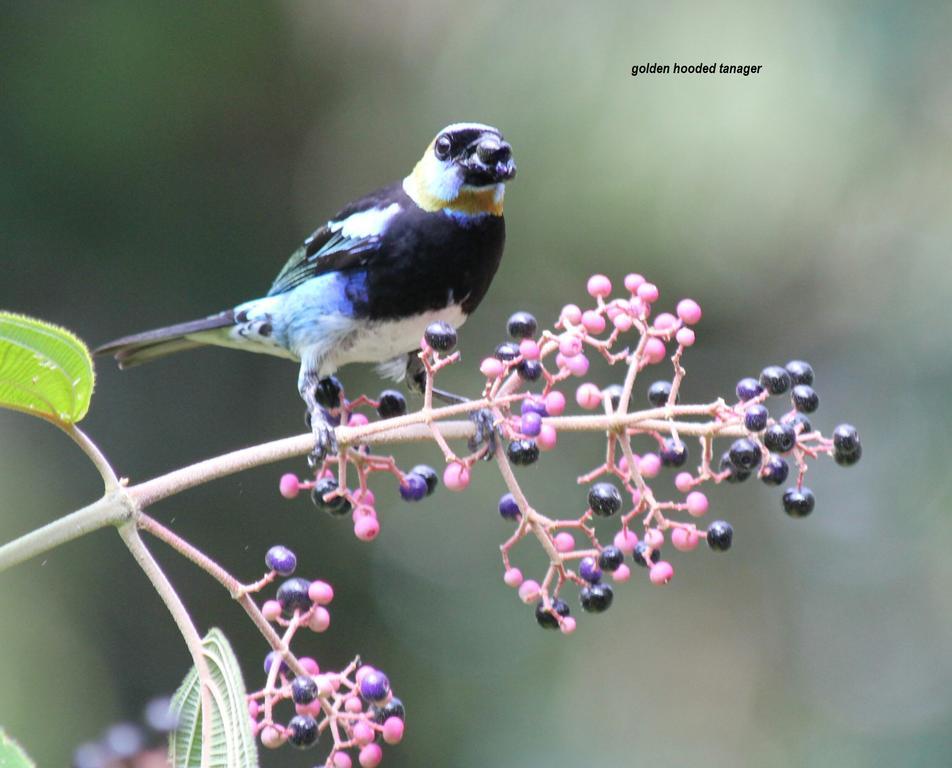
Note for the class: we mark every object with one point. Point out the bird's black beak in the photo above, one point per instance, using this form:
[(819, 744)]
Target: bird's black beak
[(491, 162)]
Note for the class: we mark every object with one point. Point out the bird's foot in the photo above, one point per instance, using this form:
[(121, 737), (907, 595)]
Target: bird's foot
[(487, 433), (325, 439)]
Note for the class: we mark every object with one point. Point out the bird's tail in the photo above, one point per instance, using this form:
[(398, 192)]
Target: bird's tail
[(144, 347)]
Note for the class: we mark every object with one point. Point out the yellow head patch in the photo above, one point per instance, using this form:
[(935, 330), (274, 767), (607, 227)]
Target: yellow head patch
[(436, 185)]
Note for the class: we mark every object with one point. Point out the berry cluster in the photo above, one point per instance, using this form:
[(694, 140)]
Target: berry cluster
[(355, 705)]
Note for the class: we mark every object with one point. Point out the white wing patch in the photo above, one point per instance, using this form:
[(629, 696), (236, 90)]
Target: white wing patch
[(370, 223)]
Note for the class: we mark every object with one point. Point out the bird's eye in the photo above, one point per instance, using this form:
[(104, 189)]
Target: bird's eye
[(442, 147)]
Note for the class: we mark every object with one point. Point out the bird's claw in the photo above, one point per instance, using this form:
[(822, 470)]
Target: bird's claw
[(487, 433), (325, 441)]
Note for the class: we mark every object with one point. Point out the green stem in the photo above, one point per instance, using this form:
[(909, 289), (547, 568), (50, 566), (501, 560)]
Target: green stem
[(112, 509)]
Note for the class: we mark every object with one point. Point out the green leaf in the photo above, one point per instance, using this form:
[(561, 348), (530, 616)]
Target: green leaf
[(232, 743), (44, 370), (12, 754)]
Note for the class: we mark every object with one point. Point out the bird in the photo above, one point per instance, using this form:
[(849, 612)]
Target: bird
[(364, 286)]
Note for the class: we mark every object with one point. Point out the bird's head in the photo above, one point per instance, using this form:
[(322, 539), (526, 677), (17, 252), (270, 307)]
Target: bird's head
[(463, 170)]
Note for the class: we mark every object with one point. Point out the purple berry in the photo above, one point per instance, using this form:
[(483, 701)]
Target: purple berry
[(748, 389), (303, 689), (508, 507), (337, 506), (736, 475), (798, 422), (375, 687), (800, 372), (529, 370), (271, 658), (673, 453), (441, 336), (611, 558), (391, 404), (281, 560), (640, 555), (805, 398), (774, 471), (507, 351), (429, 475), (393, 708), (847, 449), (531, 424), (522, 453), (745, 454), (780, 438), (755, 419), (522, 325), (413, 488), (798, 502), (604, 499), (588, 569), (533, 405), (546, 618)]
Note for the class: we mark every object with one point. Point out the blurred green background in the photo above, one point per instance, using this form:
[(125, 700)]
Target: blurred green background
[(159, 162)]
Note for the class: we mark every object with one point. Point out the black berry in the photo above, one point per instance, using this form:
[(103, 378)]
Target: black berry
[(529, 370), (441, 336), (720, 536), (673, 453), (780, 438), (546, 618), (800, 372), (507, 351), (659, 392), (337, 505), (610, 558), (596, 598), (392, 403), (735, 475), (847, 449), (604, 499), (303, 689), (523, 452), (755, 419), (522, 325), (798, 502), (292, 595), (775, 379), (745, 454), (302, 731), (613, 393), (798, 419), (805, 398), (640, 555), (393, 708), (775, 471)]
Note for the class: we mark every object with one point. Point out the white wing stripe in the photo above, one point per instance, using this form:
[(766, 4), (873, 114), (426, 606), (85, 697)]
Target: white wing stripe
[(372, 223)]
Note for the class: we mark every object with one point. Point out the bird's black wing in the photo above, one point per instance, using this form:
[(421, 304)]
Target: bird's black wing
[(329, 249)]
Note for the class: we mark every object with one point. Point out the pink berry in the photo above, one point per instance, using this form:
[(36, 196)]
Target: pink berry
[(357, 420), (564, 541), (361, 673), (491, 368), (661, 572), (599, 285), (632, 281), (342, 760), (622, 574), (325, 687), (689, 311), (393, 730), (623, 322), (456, 476), (366, 528), (623, 463), (529, 591), (320, 620), (588, 396), (310, 665), (363, 734), (626, 540), (321, 592), (664, 321), (370, 756), (353, 704), (364, 511), (365, 496), (684, 482), (635, 497), (654, 538), (271, 737), (513, 577), (569, 345), (567, 625), (547, 437), (289, 486), (593, 322), (578, 365), (648, 292), (314, 708), (571, 313), (697, 503), (650, 465), (685, 337), (684, 539), (555, 403), (655, 350), (271, 609), (529, 349), (253, 709)]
